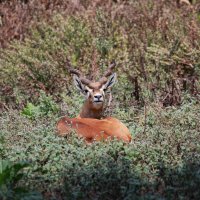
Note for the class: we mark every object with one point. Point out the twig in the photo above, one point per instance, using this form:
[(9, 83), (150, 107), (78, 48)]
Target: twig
[(145, 117)]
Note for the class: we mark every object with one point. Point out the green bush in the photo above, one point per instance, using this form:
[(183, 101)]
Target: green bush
[(10, 175), (31, 111), (45, 107), (156, 164)]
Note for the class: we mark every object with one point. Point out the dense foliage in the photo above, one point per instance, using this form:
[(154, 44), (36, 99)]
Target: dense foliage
[(156, 47), (162, 161), (154, 43)]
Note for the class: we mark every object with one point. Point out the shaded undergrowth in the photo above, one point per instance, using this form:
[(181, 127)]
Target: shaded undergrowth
[(162, 161)]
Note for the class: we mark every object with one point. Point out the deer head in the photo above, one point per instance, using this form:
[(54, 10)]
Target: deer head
[(93, 91)]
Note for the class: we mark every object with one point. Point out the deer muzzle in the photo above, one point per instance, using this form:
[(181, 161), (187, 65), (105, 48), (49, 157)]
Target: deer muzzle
[(98, 98)]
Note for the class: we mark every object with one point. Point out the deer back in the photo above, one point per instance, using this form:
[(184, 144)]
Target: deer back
[(94, 129)]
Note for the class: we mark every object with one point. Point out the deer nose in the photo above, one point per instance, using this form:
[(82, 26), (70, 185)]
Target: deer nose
[(98, 96)]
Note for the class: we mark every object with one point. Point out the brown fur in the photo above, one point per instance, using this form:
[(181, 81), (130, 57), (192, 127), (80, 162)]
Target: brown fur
[(94, 129), (88, 111)]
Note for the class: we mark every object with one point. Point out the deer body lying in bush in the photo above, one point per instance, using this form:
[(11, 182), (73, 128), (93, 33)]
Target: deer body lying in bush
[(90, 123)]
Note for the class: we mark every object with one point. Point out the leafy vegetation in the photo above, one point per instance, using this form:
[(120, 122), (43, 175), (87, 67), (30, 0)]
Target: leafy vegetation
[(156, 47), (9, 177), (46, 107), (156, 50), (162, 161)]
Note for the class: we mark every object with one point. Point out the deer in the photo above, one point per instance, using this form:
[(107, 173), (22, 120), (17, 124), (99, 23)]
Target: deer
[(91, 123)]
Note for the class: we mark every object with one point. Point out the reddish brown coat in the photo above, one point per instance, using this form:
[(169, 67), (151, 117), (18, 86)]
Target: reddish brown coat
[(94, 129)]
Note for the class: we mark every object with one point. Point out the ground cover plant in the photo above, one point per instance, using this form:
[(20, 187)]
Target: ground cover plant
[(156, 47), (9, 176), (160, 162)]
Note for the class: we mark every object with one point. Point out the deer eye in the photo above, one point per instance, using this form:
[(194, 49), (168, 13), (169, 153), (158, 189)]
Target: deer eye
[(86, 91)]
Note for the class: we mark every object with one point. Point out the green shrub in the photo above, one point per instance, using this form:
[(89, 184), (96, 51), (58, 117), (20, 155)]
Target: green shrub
[(10, 175), (45, 107), (164, 148), (31, 111)]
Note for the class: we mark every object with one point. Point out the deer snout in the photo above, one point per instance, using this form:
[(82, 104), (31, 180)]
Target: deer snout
[(98, 98)]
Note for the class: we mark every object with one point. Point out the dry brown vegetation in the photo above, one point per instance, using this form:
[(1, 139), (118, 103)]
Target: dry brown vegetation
[(155, 44)]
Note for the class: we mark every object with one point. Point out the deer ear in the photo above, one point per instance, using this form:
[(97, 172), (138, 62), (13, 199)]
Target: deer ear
[(79, 85), (111, 81)]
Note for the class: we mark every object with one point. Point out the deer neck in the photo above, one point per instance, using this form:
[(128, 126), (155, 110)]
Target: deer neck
[(88, 111)]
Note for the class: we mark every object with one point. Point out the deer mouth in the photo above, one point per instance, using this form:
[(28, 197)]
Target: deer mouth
[(98, 102)]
